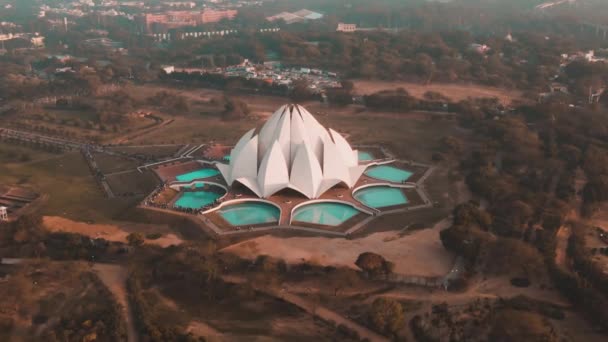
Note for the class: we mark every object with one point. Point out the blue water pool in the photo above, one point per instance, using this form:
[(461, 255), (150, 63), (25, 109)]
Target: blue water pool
[(202, 173), (381, 196), (389, 173), (365, 156), (227, 157), (243, 214), (327, 214), (196, 199)]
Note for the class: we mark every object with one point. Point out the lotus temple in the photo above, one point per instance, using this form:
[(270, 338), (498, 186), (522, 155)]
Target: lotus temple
[(290, 173)]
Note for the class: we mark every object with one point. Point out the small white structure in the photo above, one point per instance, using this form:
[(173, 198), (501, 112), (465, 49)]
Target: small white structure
[(3, 214), (292, 151), (342, 27)]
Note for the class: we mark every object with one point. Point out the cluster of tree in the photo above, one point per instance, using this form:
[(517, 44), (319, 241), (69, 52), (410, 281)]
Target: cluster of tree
[(63, 302), (517, 319), (190, 275), (235, 109), (446, 56), (27, 238), (230, 84), (387, 316), (583, 261), (170, 102), (95, 316), (526, 171)]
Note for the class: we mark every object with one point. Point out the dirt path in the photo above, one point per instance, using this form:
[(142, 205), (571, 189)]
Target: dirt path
[(112, 232), (492, 288), (115, 278), (561, 257), (199, 328), (315, 309)]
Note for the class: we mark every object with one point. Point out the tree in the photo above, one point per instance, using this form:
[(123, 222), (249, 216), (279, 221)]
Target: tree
[(136, 239), (374, 264), (300, 91), (386, 315)]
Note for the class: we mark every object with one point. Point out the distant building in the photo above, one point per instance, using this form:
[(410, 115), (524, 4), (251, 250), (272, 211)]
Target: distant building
[(296, 17), (288, 18), (3, 214), (105, 43), (180, 4), (309, 15), (176, 19), (342, 27), (557, 87), (479, 48), (37, 41)]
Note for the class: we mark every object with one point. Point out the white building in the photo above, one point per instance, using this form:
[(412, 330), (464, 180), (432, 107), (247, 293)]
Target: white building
[(342, 27), (3, 214), (292, 151)]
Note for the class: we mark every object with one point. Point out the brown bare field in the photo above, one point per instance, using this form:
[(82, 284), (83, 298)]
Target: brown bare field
[(418, 254), (112, 232), (455, 92)]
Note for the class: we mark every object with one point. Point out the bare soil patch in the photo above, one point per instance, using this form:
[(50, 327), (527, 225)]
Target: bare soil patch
[(112, 232), (420, 253)]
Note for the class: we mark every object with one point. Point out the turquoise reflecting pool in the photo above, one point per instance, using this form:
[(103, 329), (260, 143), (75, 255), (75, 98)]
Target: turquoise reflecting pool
[(389, 173), (381, 196), (365, 156), (249, 213), (327, 214), (227, 157), (202, 173), (197, 199)]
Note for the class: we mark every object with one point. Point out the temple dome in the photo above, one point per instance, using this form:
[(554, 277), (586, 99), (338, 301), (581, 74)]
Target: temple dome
[(292, 150)]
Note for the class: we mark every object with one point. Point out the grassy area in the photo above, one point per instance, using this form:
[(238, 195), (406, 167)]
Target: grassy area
[(132, 182), (159, 151), (191, 130), (12, 153), (109, 163), (72, 191)]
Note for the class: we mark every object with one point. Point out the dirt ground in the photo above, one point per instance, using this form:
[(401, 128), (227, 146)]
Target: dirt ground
[(455, 92), (418, 254), (112, 232)]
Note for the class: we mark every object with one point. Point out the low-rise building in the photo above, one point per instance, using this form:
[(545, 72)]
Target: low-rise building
[(342, 27)]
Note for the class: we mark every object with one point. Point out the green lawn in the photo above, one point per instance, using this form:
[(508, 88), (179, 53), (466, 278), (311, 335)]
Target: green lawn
[(71, 189), (13, 154)]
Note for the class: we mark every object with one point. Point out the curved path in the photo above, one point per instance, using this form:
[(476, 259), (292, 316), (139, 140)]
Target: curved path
[(314, 308), (115, 279)]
